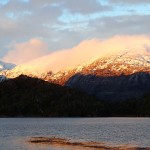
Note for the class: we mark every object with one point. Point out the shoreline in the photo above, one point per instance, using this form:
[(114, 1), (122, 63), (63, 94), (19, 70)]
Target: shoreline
[(53, 141)]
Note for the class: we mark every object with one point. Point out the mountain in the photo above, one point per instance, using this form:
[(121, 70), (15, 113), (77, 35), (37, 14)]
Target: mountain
[(6, 66), (117, 77), (122, 75), (113, 64), (124, 63)]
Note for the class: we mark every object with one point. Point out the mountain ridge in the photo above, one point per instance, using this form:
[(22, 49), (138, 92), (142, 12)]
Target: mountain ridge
[(131, 66), (115, 65), (126, 62)]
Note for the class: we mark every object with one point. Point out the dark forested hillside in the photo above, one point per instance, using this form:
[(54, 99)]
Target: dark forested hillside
[(25, 96), (31, 97), (134, 107)]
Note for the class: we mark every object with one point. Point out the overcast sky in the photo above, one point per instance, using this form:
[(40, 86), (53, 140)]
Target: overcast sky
[(39, 27)]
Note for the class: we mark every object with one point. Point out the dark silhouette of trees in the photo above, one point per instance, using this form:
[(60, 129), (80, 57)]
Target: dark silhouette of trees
[(32, 97)]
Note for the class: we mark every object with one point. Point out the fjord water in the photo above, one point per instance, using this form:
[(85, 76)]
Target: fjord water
[(15, 132)]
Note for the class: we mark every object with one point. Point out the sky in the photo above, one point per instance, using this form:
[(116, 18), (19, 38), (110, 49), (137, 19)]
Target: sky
[(30, 29)]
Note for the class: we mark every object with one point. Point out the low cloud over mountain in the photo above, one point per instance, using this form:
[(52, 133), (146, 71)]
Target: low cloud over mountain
[(85, 51)]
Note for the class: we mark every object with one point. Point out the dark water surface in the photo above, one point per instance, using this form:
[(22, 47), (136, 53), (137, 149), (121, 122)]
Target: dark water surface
[(14, 132)]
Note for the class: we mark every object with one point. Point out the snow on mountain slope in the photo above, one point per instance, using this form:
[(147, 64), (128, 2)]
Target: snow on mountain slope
[(125, 62), (63, 60), (6, 66), (117, 77)]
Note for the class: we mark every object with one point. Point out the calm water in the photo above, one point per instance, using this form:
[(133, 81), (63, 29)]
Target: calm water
[(15, 132)]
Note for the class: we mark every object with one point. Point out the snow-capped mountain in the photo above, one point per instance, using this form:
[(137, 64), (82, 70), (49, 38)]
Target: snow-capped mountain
[(125, 63), (6, 66), (117, 77), (121, 75)]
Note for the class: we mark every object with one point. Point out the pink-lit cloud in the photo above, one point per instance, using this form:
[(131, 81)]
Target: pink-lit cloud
[(26, 51), (85, 51)]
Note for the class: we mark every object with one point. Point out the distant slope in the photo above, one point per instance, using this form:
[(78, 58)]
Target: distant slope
[(6, 66), (115, 88)]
